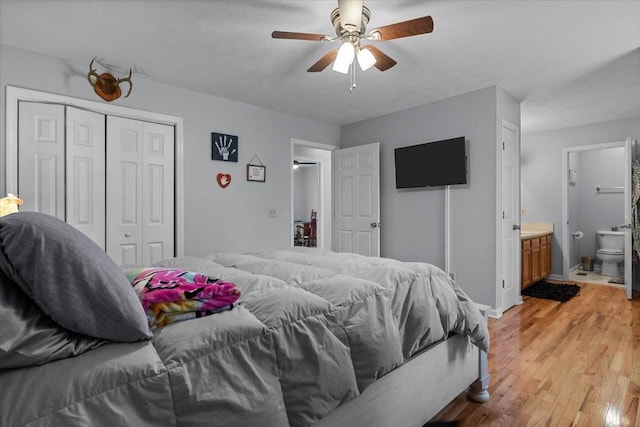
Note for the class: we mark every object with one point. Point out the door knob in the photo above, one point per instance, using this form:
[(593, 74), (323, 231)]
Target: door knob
[(127, 234), (516, 227), (375, 225)]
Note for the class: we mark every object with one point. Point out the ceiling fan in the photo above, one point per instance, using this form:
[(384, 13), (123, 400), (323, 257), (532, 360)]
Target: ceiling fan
[(350, 21)]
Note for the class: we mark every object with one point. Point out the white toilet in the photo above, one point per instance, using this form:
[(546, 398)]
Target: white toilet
[(611, 252)]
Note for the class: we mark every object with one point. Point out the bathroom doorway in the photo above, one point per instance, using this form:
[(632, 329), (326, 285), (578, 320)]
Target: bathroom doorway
[(596, 196)]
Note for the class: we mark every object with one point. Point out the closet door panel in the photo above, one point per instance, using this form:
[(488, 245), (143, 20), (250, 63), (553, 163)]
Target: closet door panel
[(85, 173), (41, 160), (124, 189), (157, 192), (112, 178)]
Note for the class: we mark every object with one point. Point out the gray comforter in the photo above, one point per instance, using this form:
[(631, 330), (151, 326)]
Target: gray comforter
[(311, 331)]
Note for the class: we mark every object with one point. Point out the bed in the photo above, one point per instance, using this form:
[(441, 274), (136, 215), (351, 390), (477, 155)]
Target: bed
[(315, 338)]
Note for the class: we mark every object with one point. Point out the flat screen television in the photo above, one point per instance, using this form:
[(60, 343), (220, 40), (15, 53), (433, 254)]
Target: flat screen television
[(431, 164)]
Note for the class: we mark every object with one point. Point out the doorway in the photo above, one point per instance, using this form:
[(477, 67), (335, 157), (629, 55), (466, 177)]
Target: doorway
[(311, 191), (306, 201), (596, 200)]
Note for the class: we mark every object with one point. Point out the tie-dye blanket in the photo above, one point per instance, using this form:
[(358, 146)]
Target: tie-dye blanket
[(170, 295)]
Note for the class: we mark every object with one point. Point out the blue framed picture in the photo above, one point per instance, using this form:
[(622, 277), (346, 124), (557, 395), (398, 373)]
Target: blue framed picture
[(224, 147)]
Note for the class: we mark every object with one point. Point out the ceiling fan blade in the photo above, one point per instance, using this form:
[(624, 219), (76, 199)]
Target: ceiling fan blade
[(409, 28), (298, 36), (350, 14), (383, 61), (322, 63)]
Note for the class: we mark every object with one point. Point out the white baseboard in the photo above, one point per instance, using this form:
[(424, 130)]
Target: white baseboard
[(494, 314)]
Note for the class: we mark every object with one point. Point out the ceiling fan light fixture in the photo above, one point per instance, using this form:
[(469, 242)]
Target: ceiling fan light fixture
[(344, 58), (366, 59)]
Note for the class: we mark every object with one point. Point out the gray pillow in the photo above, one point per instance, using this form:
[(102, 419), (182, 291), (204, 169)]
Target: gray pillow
[(70, 278), (28, 337)]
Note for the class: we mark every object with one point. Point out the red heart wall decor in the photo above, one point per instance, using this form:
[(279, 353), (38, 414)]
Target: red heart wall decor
[(224, 179)]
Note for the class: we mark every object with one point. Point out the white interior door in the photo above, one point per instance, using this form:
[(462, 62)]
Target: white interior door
[(510, 200), (140, 191), (157, 192), (356, 199), (124, 190), (628, 227), (41, 159), (85, 173)]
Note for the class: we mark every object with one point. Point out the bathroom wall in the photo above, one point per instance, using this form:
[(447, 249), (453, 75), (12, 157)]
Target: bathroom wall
[(596, 211)]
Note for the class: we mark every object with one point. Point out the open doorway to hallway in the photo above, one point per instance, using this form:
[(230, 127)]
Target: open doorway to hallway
[(311, 204)]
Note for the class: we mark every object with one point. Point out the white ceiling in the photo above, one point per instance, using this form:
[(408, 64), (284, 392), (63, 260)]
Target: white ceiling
[(569, 62)]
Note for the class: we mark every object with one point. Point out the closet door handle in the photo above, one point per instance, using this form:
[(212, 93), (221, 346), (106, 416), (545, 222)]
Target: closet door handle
[(127, 234)]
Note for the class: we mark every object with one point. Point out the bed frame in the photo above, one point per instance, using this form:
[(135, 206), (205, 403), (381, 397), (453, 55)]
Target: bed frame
[(412, 394)]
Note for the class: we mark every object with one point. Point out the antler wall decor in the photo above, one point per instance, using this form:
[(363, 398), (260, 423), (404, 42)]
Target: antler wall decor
[(106, 85)]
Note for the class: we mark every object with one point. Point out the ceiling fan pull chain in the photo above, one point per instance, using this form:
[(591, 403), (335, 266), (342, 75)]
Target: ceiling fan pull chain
[(353, 77)]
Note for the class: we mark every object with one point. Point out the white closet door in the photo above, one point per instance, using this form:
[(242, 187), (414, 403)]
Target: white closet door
[(41, 161), (85, 206), (157, 192), (124, 190), (140, 191)]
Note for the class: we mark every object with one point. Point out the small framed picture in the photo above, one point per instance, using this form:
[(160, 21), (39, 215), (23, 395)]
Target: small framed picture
[(256, 173), (224, 147)]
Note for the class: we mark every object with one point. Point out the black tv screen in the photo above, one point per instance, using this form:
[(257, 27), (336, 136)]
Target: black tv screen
[(431, 164)]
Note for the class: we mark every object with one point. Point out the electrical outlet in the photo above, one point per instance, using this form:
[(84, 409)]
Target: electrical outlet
[(272, 213)]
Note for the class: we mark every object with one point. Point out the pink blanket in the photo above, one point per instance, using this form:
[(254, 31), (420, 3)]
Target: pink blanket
[(170, 295)]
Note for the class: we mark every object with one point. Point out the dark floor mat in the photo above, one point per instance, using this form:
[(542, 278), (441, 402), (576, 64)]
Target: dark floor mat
[(556, 292)]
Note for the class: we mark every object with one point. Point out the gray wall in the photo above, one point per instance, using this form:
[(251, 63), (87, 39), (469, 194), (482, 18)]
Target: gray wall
[(541, 170), (413, 219), (235, 218)]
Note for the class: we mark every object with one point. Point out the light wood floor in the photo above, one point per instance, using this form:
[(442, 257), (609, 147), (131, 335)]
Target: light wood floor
[(561, 364)]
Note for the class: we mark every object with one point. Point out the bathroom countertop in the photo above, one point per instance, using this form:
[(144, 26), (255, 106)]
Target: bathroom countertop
[(532, 234), (529, 230)]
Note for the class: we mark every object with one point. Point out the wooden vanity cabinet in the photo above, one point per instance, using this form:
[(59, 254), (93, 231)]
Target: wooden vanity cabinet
[(535, 259), (525, 268), (545, 255)]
